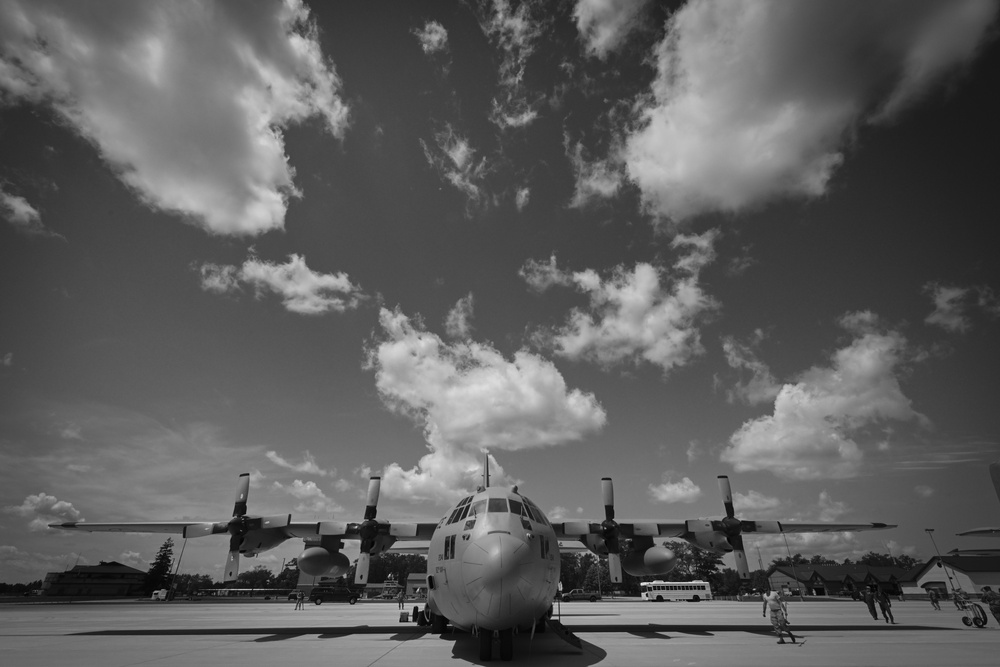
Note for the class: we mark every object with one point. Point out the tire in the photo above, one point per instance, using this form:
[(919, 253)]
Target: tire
[(506, 644), (659, 598), (696, 598), (485, 645), (978, 622), (353, 600), (967, 621), (439, 624), (318, 601), (593, 598)]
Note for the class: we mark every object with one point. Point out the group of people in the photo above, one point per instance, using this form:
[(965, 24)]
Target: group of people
[(874, 595)]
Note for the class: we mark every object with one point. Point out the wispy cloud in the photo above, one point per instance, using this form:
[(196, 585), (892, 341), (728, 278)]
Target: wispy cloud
[(311, 498), (454, 158), (756, 100), (301, 289), (308, 464), (604, 24), (432, 36), (23, 217), (186, 101), (954, 305), (458, 323), (761, 387)]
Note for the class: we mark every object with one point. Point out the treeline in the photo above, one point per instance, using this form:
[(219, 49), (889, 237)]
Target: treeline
[(20, 589)]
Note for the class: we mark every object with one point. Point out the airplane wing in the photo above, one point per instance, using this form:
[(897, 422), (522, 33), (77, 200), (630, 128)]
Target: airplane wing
[(176, 527), (981, 532), (400, 531)]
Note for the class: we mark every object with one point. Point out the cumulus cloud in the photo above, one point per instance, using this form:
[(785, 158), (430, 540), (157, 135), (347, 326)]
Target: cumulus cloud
[(185, 100), (604, 24), (813, 430), (311, 497), (684, 491), (754, 501), (433, 37), (458, 321), (761, 387), (468, 398), (42, 509), (756, 100), (830, 509), (35, 565), (633, 316), (308, 465), (953, 305), (23, 217), (302, 290)]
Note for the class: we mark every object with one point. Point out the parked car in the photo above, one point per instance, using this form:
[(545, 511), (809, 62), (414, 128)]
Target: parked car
[(322, 594), (581, 594)]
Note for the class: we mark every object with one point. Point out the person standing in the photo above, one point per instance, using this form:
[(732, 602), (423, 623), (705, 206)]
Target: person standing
[(992, 599), (401, 598), (885, 605), (934, 598), (300, 599), (778, 610), (870, 601)]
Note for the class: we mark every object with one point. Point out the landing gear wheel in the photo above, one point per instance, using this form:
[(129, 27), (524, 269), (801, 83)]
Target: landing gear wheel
[(978, 622), (417, 617), (967, 621), (439, 624), (507, 644), (485, 645)]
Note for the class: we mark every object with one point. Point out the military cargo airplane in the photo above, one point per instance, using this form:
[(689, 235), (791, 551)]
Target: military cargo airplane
[(492, 561)]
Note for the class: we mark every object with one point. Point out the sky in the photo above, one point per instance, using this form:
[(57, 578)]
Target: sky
[(659, 242)]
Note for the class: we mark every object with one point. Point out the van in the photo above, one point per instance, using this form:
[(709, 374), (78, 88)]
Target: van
[(321, 594)]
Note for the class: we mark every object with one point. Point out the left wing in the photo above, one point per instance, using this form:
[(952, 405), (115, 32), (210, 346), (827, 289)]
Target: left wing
[(988, 532), (723, 535)]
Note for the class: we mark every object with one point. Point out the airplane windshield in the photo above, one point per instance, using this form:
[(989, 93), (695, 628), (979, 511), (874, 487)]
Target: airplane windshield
[(478, 507), (498, 505)]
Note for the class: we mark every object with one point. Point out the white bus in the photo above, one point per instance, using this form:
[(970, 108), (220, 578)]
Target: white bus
[(658, 591)]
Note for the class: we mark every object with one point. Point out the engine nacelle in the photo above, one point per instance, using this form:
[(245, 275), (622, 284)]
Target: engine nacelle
[(653, 561), (713, 541), (317, 561)]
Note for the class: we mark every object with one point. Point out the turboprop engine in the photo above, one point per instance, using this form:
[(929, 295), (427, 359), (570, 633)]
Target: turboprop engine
[(701, 534), (654, 561), (317, 561)]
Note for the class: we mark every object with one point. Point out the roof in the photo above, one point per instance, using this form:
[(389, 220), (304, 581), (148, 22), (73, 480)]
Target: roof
[(110, 567), (963, 564), (856, 572)]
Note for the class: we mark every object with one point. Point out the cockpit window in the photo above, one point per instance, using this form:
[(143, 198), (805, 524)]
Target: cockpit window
[(478, 507), (498, 505), (536, 514), (516, 507)]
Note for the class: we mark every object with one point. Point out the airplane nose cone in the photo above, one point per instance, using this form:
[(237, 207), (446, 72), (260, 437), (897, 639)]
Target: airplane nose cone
[(496, 573)]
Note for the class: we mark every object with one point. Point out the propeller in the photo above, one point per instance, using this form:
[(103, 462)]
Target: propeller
[(368, 530), (610, 531), (732, 528), (237, 527)]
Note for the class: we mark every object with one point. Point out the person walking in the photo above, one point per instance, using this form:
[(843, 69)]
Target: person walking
[(778, 610), (992, 599), (885, 605), (934, 598), (869, 599)]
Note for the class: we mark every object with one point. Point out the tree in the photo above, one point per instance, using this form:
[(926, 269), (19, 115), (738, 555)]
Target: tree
[(158, 575), (289, 577), (259, 577), (692, 563), (797, 559), (821, 560), (399, 566), (188, 584)]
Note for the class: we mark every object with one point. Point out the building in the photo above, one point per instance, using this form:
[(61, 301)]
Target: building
[(107, 579), (968, 573), (837, 580)]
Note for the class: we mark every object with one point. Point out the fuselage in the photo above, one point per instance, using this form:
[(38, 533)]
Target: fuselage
[(493, 562)]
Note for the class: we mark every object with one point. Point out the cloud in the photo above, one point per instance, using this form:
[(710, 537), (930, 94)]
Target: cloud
[(455, 161), (604, 24), (756, 100), (302, 290), (952, 305), (468, 398), (35, 565), (632, 317), (313, 500), (811, 432), (133, 559), (830, 509), (522, 197), (185, 100), (7, 360), (433, 37), (761, 387), (23, 217), (600, 179), (684, 491), (457, 324), (308, 465), (515, 34), (754, 501), (43, 509), (923, 491)]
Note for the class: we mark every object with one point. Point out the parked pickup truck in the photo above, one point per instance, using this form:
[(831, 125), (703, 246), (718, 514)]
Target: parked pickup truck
[(580, 594)]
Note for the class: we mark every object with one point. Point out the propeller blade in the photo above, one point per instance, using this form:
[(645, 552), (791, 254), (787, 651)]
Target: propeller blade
[(203, 529), (374, 484), (608, 489), (727, 495), (615, 567), (740, 554), (242, 490), (361, 573), (232, 567), (995, 475)]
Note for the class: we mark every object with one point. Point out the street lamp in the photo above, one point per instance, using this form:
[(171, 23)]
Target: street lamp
[(930, 533)]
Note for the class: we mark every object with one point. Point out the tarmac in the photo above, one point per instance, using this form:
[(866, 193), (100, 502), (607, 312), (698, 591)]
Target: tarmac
[(613, 633)]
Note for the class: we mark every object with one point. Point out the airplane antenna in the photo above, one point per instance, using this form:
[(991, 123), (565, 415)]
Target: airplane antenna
[(486, 472)]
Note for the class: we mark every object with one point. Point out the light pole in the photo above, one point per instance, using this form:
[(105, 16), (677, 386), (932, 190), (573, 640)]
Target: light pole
[(930, 533)]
